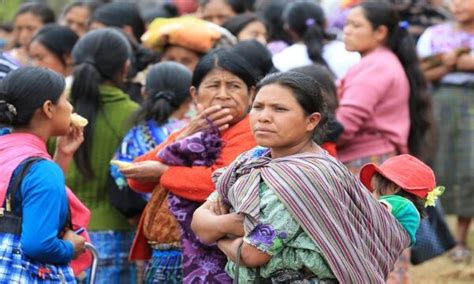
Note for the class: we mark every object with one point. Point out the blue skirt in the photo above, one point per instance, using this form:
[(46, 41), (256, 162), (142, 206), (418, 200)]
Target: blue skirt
[(165, 267), (113, 248), (16, 267)]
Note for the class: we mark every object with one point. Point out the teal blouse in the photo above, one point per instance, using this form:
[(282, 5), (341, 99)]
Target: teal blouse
[(405, 212), (279, 235)]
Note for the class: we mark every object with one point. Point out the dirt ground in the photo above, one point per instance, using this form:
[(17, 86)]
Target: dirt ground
[(442, 270)]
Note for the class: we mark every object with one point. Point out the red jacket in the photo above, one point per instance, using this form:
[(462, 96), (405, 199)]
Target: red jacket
[(193, 183)]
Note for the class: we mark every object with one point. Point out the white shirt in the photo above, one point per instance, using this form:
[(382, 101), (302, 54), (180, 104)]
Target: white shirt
[(334, 52)]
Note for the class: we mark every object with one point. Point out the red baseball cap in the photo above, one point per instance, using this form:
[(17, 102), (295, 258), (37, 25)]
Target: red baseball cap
[(406, 171)]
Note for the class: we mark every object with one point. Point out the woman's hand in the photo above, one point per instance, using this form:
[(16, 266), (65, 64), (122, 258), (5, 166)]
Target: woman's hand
[(233, 224), (209, 226), (145, 172), (78, 242), (250, 256), (219, 116), (449, 59), (68, 144)]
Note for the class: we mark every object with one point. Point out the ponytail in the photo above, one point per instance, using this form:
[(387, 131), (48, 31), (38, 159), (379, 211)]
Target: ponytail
[(314, 38), (167, 88), (403, 45), (85, 96), (99, 57), (159, 107), (307, 20)]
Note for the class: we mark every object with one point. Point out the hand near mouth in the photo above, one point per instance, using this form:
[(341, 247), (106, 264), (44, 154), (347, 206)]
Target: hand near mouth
[(219, 115)]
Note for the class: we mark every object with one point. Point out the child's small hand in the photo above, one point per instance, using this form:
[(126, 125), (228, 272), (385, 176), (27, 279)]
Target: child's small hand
[(450, 58), (78, 242), (465, 62)]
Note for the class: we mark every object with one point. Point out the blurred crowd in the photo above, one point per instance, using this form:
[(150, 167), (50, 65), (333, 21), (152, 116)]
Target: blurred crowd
[(168, 90)]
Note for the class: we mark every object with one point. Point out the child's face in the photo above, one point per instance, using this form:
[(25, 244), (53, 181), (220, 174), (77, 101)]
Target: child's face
[(463, 10), (383, 187)]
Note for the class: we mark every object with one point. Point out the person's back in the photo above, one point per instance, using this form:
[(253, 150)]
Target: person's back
[(166, 102), (100, 62)]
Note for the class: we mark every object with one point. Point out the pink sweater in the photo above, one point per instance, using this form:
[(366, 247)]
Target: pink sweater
[(374, 107)]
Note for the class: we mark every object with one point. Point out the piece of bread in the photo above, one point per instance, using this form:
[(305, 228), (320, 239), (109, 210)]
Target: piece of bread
[(121, 164), (79, 121)]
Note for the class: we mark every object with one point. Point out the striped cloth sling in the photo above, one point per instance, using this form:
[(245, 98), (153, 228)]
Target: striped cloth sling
[(359, 238)]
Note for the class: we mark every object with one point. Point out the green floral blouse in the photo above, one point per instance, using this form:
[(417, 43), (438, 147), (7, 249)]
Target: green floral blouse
[(280, 235)]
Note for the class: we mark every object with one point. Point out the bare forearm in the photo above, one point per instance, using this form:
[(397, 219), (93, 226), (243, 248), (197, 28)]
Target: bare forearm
[(62, 160), (465, 63), (434, 74), (229, 247), (206, 225), (250, 256)]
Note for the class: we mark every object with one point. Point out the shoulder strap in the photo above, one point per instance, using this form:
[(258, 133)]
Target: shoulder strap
[(15, 183)]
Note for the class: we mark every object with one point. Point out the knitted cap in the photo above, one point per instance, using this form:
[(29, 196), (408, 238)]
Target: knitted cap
[(406, 171)]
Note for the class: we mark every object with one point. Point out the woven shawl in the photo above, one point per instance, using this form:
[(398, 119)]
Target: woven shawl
[(358, 237)]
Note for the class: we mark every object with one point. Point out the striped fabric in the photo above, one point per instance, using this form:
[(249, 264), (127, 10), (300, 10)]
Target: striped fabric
[(359, 238), (6, 65)]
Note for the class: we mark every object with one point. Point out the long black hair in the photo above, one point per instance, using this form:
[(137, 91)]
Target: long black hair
[(59, 40), (167, 88), (25, 90), (403, 45), (307, 20), (272, 13), (99, 56)]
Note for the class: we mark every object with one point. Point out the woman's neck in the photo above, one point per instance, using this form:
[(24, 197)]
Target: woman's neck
[(41, 134), (305, 147)]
